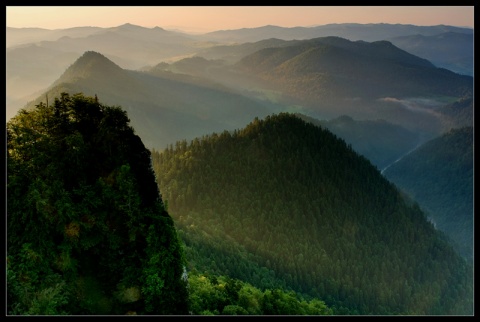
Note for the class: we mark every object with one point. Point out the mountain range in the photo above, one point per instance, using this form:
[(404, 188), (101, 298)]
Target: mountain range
[(351, 31), (163, 109), (331, 76), (36, 57), (324, 78), (356, 133)]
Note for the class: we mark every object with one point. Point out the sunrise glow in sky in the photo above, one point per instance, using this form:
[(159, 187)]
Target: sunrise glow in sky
[(211, 18)]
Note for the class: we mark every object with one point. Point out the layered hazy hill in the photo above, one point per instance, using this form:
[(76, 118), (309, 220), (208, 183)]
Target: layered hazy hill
[(446, 46), (163, 108), (330, 76), (331, 67), (36, 57), (450, 50), (352, 31), (323, 78), (439, 175), (146, 45), (22, 36), (297, 202)]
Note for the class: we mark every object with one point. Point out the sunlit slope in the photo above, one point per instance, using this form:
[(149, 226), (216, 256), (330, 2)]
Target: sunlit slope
[(316, 215)]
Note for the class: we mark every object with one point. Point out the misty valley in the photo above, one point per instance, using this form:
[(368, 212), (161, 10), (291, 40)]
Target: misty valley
[(320, 170)]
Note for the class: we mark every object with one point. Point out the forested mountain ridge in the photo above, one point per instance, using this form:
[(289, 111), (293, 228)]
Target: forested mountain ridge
[(315, 214), (446, 46), (336, 67), (439, 175), (88, 232)]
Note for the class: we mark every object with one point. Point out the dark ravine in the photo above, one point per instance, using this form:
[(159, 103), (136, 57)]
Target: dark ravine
[(439, 176), (403, 156)]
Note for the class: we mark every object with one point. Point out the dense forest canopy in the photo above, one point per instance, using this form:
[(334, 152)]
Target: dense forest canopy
[(313, 215), (87, 230)]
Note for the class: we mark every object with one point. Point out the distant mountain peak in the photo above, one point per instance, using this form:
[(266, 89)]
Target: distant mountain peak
[(95, 57), (91, 62), (129, 26)]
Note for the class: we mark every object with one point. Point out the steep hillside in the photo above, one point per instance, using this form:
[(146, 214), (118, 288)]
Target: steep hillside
[(88, 233), (312, 213), (163, 107), (439, 175)]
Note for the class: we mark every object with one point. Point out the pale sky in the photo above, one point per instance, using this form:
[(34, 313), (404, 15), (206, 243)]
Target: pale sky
[(211, 18)]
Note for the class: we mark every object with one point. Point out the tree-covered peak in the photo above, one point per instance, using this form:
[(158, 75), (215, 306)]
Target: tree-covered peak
[(295, 207), (87, 229)]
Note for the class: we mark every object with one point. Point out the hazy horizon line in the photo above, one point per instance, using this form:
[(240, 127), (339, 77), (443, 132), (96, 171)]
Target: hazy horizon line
[(198, 30)]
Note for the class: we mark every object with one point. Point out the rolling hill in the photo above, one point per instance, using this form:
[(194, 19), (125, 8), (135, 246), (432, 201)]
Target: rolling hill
[(329, 67), (450, 50)]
